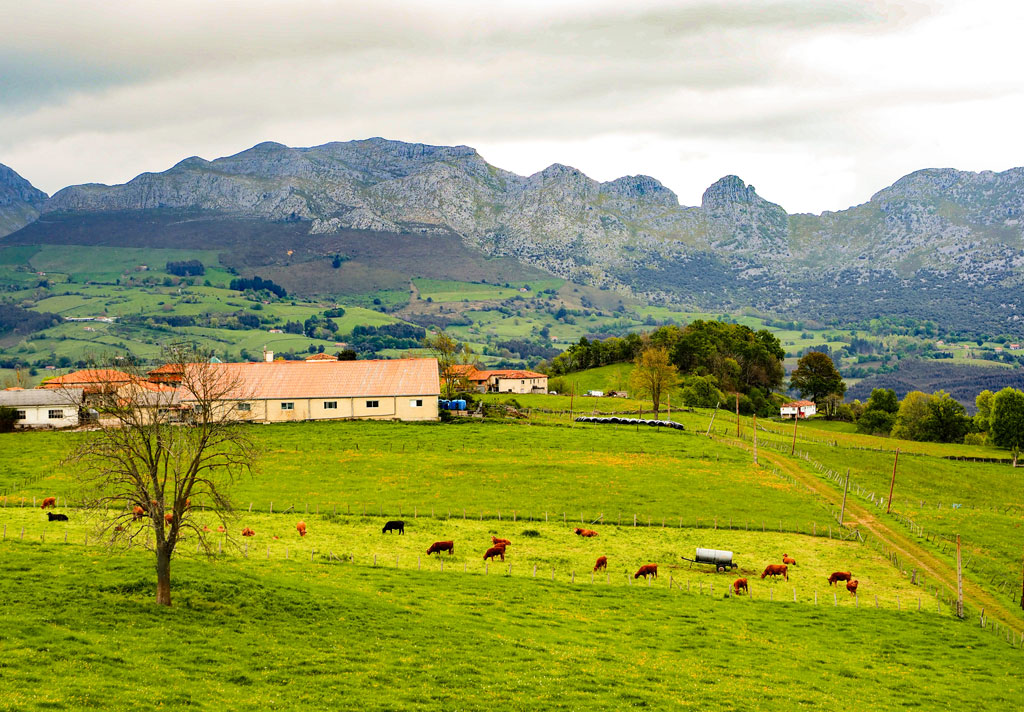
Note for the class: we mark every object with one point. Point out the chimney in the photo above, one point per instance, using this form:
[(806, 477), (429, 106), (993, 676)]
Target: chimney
[(268, 356)]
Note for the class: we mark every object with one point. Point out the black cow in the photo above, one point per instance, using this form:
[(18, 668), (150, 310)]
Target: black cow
[(394, 525), (56, 517)]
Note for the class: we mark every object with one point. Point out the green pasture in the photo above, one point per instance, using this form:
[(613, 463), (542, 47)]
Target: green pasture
[(259, 634), (484, 467), (539, 548)]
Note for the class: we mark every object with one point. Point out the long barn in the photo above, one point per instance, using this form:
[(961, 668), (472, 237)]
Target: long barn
[(283, 391)]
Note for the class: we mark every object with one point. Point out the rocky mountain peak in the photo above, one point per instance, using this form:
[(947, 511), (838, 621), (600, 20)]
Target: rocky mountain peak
[(643, 188), (729, 191), (15, 189)]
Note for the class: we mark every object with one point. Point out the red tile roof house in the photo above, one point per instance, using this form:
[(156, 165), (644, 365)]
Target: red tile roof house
[(798, 409), (503, 380)]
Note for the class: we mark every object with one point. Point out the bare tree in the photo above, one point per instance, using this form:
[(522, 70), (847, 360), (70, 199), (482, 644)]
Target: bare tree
[(453, 360), (159, 448), (653, 374)]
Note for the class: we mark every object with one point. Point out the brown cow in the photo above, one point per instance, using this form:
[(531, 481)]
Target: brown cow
[(602, 563), (438, 546), (776, 570), (740, 583), (49, 502), (248, 532), (647, 570), (169, 517), (788, 561), (138, 513), (585, 532), (495, 551), (499, 542), (839, 576), (851, 586), (301, 527)]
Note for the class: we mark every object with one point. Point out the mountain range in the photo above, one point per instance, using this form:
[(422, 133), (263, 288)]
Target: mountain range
[(938, 244)]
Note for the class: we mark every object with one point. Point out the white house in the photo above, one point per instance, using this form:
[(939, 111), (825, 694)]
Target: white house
[(798, 409), (44, 408)]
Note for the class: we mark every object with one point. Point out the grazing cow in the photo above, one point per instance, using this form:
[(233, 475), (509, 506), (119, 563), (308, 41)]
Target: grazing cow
[(301, 528), (500, 542), (248, 532), (118, 528), (602, 563), (839, 576), (169, 517), (138, 513), (438, 546), (851, 586), (585, 532), (220, 530), (774, 570), (740, 583), (49, 502), (495, 551), (396, 525), (51, 517), (647, 570), (788, 561)]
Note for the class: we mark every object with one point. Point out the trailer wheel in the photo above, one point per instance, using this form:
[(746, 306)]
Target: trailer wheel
[(721, 569)]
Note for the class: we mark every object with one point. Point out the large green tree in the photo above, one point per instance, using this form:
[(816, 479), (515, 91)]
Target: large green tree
[(911, 416), (946, 421), (883, 399), (1007, 421), (653, 375), (816, 376)]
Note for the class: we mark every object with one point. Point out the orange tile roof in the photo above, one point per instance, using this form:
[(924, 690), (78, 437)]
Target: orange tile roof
[(339, 379), (509, 373), (798, 404), (89, 376)]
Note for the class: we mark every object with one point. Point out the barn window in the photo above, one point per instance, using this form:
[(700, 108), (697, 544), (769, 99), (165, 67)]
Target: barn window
[(287, 406), (21, 415), (330, 405), (243, 406), (416, 403), (56, 414), (372, 404)]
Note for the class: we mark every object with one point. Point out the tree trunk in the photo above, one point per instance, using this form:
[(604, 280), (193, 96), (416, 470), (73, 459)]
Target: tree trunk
[(163, 575)]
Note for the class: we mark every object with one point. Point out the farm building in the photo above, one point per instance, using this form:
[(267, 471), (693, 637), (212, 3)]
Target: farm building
[(798, 409), (503, 380), (44, 408), (90, 380), (320, 389)]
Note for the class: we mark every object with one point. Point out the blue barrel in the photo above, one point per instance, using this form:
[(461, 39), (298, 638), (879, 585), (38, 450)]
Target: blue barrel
[(460, 404), (442, 404)]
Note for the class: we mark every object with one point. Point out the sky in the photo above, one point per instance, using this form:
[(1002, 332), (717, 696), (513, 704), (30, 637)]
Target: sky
[(817, 103)]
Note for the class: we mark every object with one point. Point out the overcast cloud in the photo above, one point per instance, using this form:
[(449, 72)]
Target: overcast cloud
[(818, 103)]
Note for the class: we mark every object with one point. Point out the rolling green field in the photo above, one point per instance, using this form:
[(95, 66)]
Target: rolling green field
[(347, 616), (283, 634)]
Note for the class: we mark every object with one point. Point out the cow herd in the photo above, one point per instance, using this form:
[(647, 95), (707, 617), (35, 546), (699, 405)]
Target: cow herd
[(773, 570), (498, 547)]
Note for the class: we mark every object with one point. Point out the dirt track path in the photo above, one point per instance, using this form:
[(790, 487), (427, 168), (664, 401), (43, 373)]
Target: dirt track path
[(907, 549)]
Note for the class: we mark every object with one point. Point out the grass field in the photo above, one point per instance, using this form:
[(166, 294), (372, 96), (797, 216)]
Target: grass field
[(283, 634), (349, 617)]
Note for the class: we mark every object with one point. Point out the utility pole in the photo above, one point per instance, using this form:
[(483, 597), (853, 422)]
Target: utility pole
[(1022, 586), (737, 414), (888, 504), (846, 491), (959, 582), (572, 393), (755, 438), (796, 419), (708, 433)]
